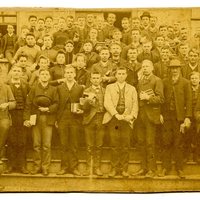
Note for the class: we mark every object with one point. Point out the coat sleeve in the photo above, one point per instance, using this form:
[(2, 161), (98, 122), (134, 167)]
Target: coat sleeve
[(11, 99), (53, 108), (134, 111), (188, 100), (108, 103), (158, 98)]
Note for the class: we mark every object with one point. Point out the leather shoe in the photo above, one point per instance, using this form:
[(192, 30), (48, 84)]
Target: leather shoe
[(62, 172), (98, 172), (150, 174), (125, 174), (180, 174), (24, 170), (9, 170), (35, 171), (76, 172), (112, 173), (140, 172), (45, 172), (163, 173)]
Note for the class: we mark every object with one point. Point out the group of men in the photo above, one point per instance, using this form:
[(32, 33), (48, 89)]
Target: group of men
[(94, 77)]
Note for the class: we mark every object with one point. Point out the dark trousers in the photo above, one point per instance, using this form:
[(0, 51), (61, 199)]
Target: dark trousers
[(94, 134), (17, 141), (173, 141), (120, 132), (4, 128), (68, 131), (42, 135), (146, 132)]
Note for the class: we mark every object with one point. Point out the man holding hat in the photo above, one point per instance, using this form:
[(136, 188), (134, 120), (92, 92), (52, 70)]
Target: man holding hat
[(176, 114), (40, 112)]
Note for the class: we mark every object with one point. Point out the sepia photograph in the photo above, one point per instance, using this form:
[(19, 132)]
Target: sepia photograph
[(99, 100)]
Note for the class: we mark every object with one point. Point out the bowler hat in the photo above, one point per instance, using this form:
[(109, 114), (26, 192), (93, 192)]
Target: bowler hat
[(145, 14), (175, 63), (43, 101)]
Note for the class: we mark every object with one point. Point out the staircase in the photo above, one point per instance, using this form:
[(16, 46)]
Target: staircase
[(16, 182)]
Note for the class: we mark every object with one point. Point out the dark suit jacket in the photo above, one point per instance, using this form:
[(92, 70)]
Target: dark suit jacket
[(161, 69), (153, 56), (183, 98), (91, 59), (186, 70), (64, 95), (90, 110), (153, 105), (4, 42), (83, 77), (32, 108)]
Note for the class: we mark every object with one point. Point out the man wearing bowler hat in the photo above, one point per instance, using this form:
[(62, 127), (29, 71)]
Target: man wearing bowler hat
[(176, 114), (40, 112), (145, 23)]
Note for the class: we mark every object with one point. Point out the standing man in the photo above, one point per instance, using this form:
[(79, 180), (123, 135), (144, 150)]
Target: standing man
[(69, 121), (93, 106), (176, 111), (18, 133), (121, 105), (42, 102), (150, 92)]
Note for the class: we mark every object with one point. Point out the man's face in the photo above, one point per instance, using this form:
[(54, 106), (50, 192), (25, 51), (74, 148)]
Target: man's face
[(163, 31), (80, 62), (147, 47), (183, 49), (90, 18), (69, 47), (115, 50), (70, 22), (135, 34), (16, 72), (121, 75), (175, 71), (60, 59), (111, 18), (81, 21), (96, 79), (132, 54), (43, 63), (160, 41), (10, 29), (87, 47), (104, 55), (30, 40), (176, 26), (24, 32), (49, 22), (48, 42), (93, 33), (44, 76), (61, 24), (117, 35), (136, 23), (193, 57), (165, 53), (147, 68), (145, 21), (125, 24), (195, 79), (153, 21), (40, 24), (22, 61), (184, 34), (33, 21), (70, 74)]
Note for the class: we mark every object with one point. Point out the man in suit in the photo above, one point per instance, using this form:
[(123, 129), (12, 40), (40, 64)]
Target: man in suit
[(8, 42), (176, 112), (150, 91), (41, 102), (69, 121), (93, 106), (18, 133), (121, 106)]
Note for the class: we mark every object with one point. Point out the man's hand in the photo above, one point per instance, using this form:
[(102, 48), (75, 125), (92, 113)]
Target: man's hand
[(105, 78), (128, 118), (161, 119), (27, 123), (62, 80), (43, 109), (3, 106), (144, 96), (187, 122), (119, 117)]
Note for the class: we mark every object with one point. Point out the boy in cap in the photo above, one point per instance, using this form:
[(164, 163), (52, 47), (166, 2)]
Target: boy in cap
[(176, 114)]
